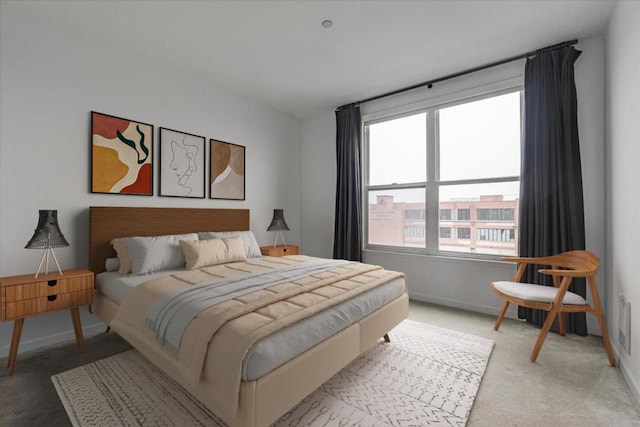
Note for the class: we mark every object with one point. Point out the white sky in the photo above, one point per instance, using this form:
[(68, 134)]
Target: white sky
[(479, 139)]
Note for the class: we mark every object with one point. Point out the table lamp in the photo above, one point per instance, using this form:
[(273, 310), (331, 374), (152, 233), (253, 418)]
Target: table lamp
[(47, 236), (278, 224)]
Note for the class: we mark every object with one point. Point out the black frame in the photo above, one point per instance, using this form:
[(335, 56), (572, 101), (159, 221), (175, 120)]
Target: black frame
[(200, 162), (212, 170), (145, 149)]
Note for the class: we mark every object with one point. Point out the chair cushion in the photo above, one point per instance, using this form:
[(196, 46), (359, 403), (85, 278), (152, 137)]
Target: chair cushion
[(536, 293)]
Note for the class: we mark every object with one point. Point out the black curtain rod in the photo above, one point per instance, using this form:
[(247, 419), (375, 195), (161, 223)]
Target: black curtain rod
[(430, 83)]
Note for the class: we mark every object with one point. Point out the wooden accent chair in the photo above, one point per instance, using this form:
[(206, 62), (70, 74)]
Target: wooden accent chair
[(557, 299)]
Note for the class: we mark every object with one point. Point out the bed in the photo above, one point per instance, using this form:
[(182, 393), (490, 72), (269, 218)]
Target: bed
[(261, 400)]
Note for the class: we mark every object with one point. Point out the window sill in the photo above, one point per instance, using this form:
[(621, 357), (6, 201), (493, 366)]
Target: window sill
[(438, 258)]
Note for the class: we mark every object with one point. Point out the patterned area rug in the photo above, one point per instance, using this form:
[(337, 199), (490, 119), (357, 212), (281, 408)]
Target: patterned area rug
[(426, 375)]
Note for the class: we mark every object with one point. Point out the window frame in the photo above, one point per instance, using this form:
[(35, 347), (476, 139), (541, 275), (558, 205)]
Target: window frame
[(432, 184)]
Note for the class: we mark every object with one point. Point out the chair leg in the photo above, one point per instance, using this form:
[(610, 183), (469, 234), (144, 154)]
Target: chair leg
[(605, 339), (561, 326), (597, 310), (505, 306), (543, 334)]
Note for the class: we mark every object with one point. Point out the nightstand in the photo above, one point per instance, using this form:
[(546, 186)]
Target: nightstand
[(280, 250), (25, 296)]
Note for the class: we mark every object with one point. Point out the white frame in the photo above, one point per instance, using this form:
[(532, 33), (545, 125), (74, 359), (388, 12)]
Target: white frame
[(432, 185)]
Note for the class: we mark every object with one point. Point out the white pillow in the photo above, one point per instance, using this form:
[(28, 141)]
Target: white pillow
[(251, 247), (201, 253), (157, 253)]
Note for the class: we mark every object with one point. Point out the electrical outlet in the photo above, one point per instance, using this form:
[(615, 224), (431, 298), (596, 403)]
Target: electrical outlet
[(622, 339), (624, 323)]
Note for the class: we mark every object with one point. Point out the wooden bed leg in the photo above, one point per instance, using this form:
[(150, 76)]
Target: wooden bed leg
[(386, 338)]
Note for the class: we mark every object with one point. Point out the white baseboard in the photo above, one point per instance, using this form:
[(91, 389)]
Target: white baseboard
[(634, 387), (36, 343), (478, 308)]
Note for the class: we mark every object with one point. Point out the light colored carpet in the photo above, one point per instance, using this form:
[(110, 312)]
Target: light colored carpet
[(426, 376)]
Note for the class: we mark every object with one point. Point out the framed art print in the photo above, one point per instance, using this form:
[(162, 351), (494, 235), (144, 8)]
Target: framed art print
[(227, 170), (121, 155), (182, 160)]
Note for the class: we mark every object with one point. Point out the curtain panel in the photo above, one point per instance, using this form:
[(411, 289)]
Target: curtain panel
[(347, 241), (551, 197)]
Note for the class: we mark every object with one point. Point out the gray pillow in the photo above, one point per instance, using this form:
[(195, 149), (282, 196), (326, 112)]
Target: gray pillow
[(157, 253), (112, 264), (251, 247)]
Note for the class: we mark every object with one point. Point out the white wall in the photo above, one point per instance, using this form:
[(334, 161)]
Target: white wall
[(318, 184), (459, 282), (49, 82), (623, 178)]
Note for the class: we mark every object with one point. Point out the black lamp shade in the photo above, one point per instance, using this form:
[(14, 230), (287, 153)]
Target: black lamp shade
[(278, 223), (47, 234)]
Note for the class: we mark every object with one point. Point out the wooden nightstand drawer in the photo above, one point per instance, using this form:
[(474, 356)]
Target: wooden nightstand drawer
[(54, 286), (29, 307), (280, 250)]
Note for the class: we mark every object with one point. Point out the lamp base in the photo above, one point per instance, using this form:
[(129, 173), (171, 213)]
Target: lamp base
[(279, 233), (45, 254)]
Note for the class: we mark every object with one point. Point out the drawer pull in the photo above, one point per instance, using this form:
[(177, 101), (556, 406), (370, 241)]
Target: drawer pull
[(52, 297), (52, 282)]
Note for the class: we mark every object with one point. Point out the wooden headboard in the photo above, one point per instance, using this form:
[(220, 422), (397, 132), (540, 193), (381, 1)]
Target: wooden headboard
[(107, 223)]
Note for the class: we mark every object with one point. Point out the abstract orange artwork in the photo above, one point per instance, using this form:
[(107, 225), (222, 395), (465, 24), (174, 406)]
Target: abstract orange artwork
[(121, 156)]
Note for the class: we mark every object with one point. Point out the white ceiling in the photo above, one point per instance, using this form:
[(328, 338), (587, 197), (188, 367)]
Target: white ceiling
[(278, 53)]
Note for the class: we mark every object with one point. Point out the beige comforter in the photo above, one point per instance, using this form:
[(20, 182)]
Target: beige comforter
[(215, 342)]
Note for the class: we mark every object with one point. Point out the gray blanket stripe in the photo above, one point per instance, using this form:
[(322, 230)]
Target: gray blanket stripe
[(170, 314)]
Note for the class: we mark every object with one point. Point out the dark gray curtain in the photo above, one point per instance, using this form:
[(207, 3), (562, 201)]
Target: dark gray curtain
[(347, 240), (551, 200)]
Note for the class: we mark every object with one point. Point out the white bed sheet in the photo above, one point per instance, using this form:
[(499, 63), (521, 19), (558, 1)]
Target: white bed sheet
[(116, 286)]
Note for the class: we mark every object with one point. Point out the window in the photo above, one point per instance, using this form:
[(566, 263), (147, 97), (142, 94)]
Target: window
[(413, 231), (414, 214), (446, 233), (459, 162), (464, 214), (496, 234), (496, 214), (464, 233), (445, 214)]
